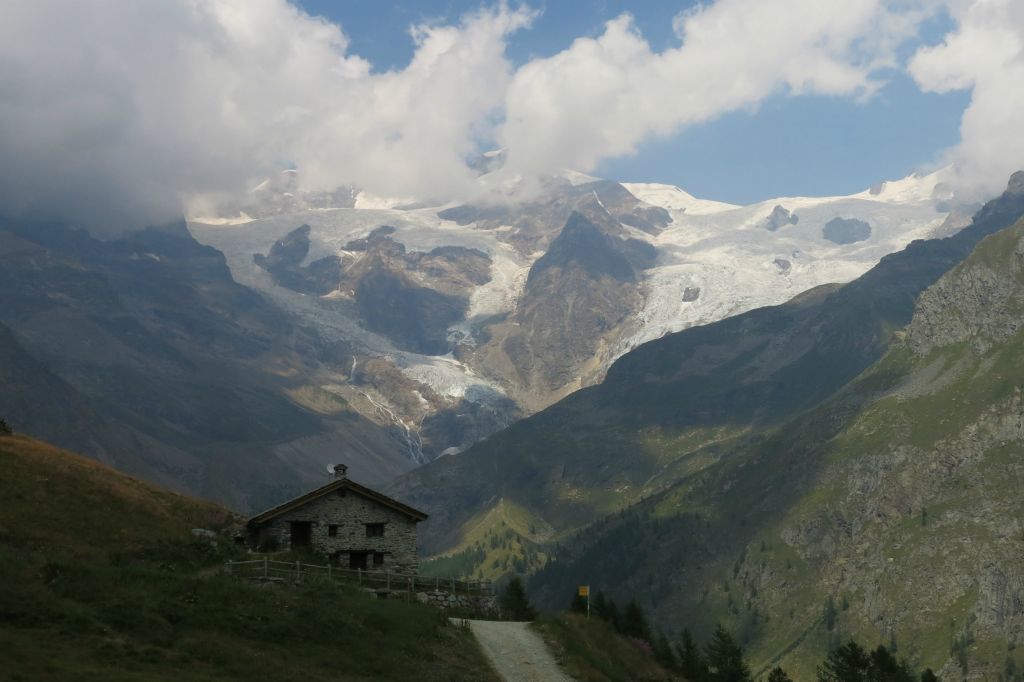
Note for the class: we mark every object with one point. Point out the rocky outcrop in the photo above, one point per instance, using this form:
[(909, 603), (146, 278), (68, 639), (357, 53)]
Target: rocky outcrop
[(284, 263), (778, 218), (846, 230)]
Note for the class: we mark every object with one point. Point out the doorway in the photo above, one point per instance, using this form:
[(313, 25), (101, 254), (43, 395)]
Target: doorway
[(302, 533), (357, 560)]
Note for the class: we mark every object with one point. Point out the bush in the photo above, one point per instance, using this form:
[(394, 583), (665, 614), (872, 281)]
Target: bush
[(4, 428)]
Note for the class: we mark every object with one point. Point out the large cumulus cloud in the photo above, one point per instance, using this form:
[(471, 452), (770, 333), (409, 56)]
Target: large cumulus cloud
[(118, 113), (984, 54), (113, 113)]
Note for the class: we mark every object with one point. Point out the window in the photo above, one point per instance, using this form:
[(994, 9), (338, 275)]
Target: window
[(332, 530), (378, 558), (375, 530)]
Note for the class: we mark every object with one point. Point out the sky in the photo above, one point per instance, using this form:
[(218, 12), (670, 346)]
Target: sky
[(807, 146), (125, 114)]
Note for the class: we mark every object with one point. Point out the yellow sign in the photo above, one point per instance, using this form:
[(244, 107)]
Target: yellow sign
[(584, 590)]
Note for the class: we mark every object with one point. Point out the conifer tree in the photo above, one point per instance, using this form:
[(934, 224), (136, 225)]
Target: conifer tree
[(778, 675), (634, 622), (515, 603), (691, 662), (725, 659), (663, 653)]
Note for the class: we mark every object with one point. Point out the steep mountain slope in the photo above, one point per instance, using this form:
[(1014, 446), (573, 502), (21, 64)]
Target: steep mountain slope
[(144, 353), (478, 313), (679, 404), (892, 512), (101, 579)]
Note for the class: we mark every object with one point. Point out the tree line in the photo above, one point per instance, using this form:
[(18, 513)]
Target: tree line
[(721, 658)]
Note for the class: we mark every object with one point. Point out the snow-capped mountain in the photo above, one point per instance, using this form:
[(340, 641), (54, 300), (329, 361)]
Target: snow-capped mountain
[(455, 320)]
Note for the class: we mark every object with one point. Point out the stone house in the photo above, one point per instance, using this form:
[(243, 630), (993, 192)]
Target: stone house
[(355, 526)]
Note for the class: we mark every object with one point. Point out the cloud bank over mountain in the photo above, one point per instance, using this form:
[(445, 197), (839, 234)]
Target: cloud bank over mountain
[(117, 114)]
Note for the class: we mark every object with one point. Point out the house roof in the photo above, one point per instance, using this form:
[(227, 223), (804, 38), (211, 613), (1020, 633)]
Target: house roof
[(414, 514)]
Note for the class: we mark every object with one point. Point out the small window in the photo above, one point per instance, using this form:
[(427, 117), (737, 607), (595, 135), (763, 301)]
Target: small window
[(378, 558), (332, 530), (375, 530)]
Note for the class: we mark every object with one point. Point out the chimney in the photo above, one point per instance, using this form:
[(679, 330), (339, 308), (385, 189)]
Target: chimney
[(340, 472)]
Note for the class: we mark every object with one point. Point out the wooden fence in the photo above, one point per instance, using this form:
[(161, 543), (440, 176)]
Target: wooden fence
[(269, 570)]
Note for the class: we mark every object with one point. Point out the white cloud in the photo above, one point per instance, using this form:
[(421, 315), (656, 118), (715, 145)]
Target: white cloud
[(985, 53), (603, 96), (114, 112)]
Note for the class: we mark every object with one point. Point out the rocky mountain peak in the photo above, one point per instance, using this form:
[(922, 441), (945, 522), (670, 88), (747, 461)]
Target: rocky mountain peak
[(581, 242), (1016, 184)]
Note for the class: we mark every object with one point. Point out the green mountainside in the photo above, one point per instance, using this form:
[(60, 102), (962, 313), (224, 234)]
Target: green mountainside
[(101, 579), (891, 513), (844, 465)]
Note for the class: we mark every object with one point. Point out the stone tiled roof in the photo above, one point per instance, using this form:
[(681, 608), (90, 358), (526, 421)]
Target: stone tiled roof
[(340, 484)]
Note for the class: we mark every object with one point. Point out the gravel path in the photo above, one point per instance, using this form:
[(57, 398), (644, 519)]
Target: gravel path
[(517, 652)]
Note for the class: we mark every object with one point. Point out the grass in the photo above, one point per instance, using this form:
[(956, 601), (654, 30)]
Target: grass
[(591, 650), (100, 579)]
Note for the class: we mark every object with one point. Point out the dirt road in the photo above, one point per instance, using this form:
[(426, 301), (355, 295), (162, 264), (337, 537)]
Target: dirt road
[(517, 652)]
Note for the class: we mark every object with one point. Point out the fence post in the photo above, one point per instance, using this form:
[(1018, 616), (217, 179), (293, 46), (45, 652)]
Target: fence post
[(328, 571), (298, 571), (387, 573), (437, 584), (359, 574), (230, 572), (453, 585), (266, 568)]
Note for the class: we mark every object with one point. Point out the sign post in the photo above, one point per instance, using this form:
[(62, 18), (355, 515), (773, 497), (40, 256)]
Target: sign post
[(584, 591)]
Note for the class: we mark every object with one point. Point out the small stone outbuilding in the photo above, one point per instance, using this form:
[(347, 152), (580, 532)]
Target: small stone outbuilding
[(355, 526)]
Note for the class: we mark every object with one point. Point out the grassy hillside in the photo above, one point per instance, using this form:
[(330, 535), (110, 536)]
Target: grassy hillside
[(891, 513), (591, 650), (100, 579)]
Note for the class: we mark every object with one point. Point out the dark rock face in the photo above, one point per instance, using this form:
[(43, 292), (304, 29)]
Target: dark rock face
[(779, 217), (582, 244), (691, 294), (413, 317), (143, 352), (284, 263), (846, 230), (1016, 184), (532, 221), (782, 264), (412, 298), (578, 295), (375, 238)]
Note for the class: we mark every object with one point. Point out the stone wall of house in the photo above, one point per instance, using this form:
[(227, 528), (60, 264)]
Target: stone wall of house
[(350, 512)]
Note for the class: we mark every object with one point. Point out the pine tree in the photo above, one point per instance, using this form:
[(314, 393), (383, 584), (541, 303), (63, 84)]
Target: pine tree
[(4, 428), (851, 663), (691, 662), (515, 603), (725, 658), (634, 622), (929, 676), (663, 653), (778, 675)]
